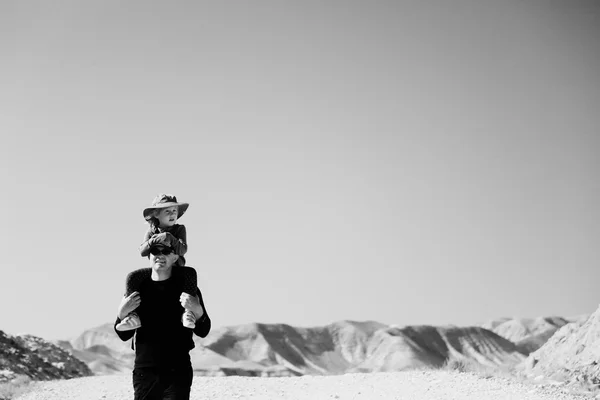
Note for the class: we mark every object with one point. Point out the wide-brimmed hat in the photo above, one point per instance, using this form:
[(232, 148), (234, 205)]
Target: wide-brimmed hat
[(164, 201)]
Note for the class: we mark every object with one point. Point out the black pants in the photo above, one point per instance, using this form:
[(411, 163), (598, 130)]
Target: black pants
[(162, 384)]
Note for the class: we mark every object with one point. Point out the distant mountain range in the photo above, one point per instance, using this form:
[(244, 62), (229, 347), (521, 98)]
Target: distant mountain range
[(536, 344), (284, 350), (341, 347)]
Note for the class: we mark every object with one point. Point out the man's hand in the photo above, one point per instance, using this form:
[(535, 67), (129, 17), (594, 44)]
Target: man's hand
[(191, 303), (128, 304)]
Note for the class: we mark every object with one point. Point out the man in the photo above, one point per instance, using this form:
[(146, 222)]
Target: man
[(162, 367)]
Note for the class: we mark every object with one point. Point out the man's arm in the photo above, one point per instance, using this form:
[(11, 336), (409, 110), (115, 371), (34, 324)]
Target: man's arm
[(203, 323)]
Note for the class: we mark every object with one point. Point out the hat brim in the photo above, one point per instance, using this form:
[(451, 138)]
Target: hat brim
[(181, 209)]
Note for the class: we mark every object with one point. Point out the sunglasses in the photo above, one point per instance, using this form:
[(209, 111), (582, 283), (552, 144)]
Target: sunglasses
[(161, 250)]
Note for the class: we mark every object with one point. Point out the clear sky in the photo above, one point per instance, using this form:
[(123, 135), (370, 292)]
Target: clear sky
[(410, 162)]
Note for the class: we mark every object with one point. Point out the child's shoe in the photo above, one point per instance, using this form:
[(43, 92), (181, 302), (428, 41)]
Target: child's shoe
[(189, 319), (132, 321)]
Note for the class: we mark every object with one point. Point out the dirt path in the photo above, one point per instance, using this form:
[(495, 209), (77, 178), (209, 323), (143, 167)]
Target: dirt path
[(414, 385)]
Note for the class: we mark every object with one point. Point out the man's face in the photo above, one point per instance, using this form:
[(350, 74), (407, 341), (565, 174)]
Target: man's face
[(161, 261)]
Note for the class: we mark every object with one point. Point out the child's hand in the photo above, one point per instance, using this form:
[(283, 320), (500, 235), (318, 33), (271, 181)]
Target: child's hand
[(162, 238), (170, 239), (191, 303), (128, 304)]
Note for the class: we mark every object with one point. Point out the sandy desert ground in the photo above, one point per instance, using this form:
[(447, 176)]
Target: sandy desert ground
[(412, 385)]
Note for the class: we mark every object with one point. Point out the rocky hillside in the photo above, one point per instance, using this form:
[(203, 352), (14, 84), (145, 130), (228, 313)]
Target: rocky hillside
[(397, 349), (573, 352), (38, 359), (529, 334), (280, 349)]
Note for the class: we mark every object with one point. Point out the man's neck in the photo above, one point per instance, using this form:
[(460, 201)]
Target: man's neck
[(161, 275)]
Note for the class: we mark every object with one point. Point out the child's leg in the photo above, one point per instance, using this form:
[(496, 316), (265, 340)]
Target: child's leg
[(190, 280), (133, 282)]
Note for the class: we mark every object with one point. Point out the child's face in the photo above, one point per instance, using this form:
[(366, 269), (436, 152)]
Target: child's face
[(167, 216)]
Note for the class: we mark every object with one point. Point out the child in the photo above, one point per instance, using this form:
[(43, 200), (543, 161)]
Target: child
[(162, 217)]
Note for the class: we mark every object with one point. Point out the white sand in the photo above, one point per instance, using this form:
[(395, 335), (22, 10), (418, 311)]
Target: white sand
[(413, 385)]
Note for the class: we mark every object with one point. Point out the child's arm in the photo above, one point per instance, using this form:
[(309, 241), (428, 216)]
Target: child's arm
[(179, 240), (145, 246)]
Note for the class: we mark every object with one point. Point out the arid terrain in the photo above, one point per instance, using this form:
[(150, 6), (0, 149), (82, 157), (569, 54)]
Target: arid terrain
[(421, 385)]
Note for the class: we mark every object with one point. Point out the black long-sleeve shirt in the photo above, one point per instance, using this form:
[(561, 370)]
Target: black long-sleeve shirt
[(162, 340)]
